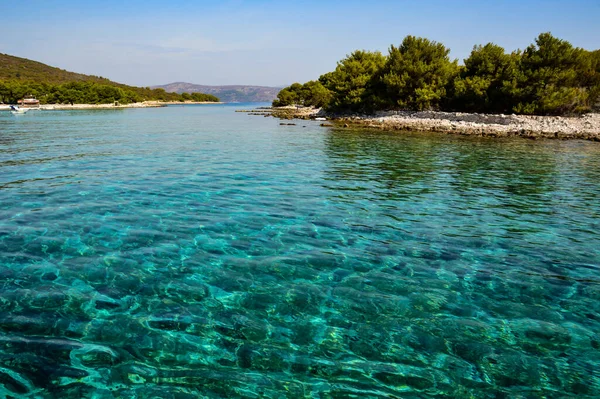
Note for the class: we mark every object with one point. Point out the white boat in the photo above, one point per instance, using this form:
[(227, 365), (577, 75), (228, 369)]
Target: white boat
[(29, 102), (15, 110)]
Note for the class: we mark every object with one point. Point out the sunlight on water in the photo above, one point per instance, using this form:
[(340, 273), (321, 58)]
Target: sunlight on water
[(194, 251)]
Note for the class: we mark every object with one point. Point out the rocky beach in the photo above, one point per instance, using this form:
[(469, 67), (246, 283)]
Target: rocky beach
[(554, 127), (557, 127)]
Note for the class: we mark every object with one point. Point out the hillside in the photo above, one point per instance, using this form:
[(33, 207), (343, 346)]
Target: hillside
[(21, 76), (229, 94), (22, 69)]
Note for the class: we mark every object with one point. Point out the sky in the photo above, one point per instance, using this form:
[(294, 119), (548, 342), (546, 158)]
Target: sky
[(263, 42)]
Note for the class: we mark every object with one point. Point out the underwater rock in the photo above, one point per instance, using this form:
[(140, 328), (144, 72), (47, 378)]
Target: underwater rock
[(14, 382)]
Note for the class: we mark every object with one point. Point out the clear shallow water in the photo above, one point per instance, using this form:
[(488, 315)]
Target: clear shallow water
[(194, 251)]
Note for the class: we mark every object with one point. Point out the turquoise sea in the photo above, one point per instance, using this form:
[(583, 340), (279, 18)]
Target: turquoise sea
[(192, 251)]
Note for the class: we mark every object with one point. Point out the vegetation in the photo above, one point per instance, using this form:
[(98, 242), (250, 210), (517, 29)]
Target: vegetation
[(310, 94), (550, 80), (487, 82), (351, 84), (416, 75), (20, 77), (550, 77)]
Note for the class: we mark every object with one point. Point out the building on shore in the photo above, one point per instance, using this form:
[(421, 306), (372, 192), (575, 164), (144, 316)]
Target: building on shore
[(29, 102)]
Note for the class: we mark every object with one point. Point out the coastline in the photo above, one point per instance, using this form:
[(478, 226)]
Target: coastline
[(145, 104), (185, 102), (586, 127)]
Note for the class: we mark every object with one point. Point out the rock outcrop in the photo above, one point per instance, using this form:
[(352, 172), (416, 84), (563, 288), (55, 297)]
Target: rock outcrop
[(580, 127), (490, 125)]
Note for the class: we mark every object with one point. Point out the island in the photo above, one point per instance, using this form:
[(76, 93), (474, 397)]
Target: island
[(551, 89)]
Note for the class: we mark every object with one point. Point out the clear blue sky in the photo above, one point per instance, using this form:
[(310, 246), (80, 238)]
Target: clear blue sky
[(148, 42)]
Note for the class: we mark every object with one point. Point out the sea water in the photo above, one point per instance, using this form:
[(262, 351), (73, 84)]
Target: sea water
[(193, 251)]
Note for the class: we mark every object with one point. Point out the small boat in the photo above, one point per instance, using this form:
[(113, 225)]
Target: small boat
[(15, 110), (29, 102)]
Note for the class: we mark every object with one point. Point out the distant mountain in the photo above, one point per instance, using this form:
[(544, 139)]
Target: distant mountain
[(228, 94)]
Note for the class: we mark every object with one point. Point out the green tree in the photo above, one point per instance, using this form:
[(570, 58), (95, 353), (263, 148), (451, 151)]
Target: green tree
[(87, 92), (351, 82), (204, 97), (4, 93), (416, 74), (310, 94), (487, 81), (589, 78), (288, 96), (550, 83), (314, 94)]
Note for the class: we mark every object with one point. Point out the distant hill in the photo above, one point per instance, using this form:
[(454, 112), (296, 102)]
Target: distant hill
[(22, 69), (20, 76), (229, 94)]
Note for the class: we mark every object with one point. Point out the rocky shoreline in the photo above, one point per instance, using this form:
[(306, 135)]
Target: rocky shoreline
[(145, 104), (585, 127)]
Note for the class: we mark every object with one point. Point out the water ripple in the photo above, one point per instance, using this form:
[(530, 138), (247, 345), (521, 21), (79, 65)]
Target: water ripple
[(196, 252)]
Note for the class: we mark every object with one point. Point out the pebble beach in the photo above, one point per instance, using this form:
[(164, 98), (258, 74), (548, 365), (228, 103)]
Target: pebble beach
[(556, 127)]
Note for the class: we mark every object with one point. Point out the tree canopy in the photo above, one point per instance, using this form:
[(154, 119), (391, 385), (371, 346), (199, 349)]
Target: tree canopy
[(487, 81), (550, 81), (351, 83), (416, 74), (310, 94), (20, 77), (549, 77), (89, 93)]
